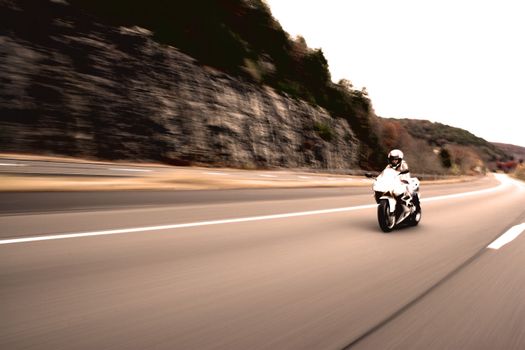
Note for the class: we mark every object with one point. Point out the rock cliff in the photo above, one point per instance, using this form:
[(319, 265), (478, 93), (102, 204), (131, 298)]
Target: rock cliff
[(71, 85)]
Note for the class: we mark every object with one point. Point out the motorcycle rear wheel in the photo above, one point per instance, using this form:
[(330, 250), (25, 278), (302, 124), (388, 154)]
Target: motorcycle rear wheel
[(385, 219)]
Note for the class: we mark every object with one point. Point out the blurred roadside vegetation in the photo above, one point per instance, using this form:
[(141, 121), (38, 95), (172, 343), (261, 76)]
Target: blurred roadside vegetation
[(439, 148), (520, 172)]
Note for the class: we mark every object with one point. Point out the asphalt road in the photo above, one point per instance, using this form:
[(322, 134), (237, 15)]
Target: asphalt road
[(25, 173), (44, 167), (262, 269), (70, 168)]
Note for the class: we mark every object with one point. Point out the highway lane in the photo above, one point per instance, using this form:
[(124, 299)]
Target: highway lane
[(81, 211), (85, 168), (29, 202), (307, 282), (69, 175), (479, 307), (46, 167)]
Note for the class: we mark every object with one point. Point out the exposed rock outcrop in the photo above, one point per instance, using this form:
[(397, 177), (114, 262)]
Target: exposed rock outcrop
[(71, 85)]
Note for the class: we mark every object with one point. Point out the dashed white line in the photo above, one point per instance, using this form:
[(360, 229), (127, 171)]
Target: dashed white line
[(508, 236), (303, 177), (266, 175)]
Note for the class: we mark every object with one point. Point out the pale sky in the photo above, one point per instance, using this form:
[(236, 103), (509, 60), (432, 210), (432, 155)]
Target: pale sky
[(460, 63)]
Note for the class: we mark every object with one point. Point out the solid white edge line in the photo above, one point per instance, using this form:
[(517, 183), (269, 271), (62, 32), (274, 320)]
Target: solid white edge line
[(176, 226), (465, 194), (228, 221), (12, 164), (508, 236)]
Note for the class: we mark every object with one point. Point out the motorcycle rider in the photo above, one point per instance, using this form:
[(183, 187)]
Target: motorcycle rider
[(402, 191)]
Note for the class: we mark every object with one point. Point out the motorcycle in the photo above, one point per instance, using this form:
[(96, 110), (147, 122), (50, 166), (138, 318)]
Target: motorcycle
[(393, 210)]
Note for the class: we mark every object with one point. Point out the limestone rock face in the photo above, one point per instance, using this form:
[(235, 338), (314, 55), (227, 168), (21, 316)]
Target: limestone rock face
[(72, 86)]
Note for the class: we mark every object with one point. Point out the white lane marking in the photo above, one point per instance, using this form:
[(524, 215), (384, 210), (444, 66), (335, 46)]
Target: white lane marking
[(521, 185), (266, 175), (12, 164), (128, 169), (508, 236), (303, 177), (215, 173), (176, 226), (504, 181), (228, 221)]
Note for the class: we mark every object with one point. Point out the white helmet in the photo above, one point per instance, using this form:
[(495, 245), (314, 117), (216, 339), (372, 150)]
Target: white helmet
[(395, 157)]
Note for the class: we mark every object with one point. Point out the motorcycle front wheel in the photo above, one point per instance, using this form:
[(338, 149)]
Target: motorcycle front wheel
[(416, 217), (385, 219)]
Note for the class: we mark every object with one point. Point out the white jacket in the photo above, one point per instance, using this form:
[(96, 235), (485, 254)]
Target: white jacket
[(404, 179)]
